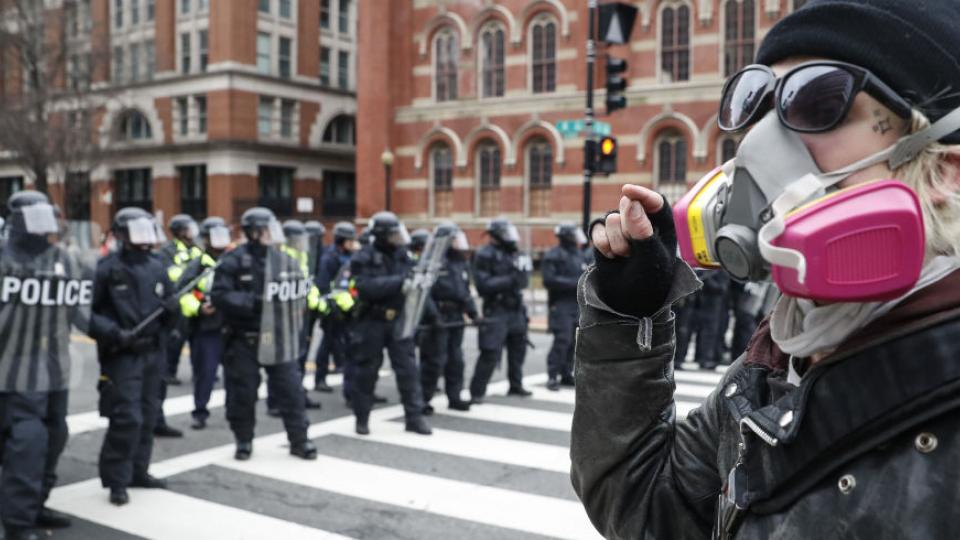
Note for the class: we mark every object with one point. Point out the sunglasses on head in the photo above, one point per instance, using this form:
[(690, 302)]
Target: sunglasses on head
[(813, 97)]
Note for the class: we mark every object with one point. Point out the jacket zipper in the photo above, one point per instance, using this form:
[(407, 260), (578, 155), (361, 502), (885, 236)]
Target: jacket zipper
[(756, 429)]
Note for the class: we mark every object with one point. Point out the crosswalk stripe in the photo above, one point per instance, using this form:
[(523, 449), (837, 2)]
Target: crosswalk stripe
[(702, 377), (513, 452), (515, 415), (542, 394), (451, 498), (684, 408), (160, 514)]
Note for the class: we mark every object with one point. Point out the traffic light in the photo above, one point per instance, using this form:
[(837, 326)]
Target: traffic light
[(606, 156), (616, 84)]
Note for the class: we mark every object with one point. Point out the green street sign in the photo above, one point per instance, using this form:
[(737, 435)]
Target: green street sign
[(572, 128)]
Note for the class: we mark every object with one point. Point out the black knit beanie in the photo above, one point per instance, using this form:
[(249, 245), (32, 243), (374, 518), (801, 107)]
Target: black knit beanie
[(912, 45)]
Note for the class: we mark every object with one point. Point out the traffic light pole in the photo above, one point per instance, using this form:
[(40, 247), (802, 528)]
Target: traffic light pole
[(589, 147)]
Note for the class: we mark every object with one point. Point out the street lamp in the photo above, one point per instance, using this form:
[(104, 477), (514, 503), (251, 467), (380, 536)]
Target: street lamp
[(387, 159)]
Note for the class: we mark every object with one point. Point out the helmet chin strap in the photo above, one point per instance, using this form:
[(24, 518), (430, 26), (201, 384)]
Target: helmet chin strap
[(906, 149)]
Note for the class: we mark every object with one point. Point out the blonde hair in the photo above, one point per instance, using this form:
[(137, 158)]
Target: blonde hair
[(932, 177)]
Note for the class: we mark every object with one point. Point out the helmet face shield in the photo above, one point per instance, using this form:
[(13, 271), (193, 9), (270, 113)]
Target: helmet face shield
[(219, 237), (142, 232), (299, 242), (460, 242), (40, 219), (193, 231), (399, 237), (579, 237), (273, 234), (510, 234)]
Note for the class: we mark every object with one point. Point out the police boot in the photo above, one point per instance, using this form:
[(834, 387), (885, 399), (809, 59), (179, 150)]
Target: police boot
[(519, 391), (118, 496), (244, 449), (311, 404), (305, 450), (553, 384), (323, 387), (49, 518), (20, 533), (163, 430), (148, 481), (419, 425), (428, 410), (459, 405), (379, 399)]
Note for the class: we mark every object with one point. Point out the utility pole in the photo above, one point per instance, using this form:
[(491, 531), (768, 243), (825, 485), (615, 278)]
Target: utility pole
[(590, 144)]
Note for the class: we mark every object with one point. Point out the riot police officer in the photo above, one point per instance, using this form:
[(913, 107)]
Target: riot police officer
[(205, 322), (33, 427), (380, 272), (452, 298), (257, 285), (315, 233), (501, 273), (129, 286), (176, 254), (418, 241), (561, 267), (333, 279)]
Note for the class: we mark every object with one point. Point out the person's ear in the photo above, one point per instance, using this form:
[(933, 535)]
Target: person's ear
[(950, 170)]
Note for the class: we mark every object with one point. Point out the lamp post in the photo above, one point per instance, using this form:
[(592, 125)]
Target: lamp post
[(387, 159)]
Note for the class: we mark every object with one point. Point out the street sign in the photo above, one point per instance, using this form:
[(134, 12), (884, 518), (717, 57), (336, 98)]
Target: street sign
[(572, 128)]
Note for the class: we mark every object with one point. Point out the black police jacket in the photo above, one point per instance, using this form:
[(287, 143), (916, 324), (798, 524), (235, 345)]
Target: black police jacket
[(562, 267), (200, 323), (378, 274), (238, 286), (128, 286), (497, 278), (867, 446), (330, 262), (451, 291)]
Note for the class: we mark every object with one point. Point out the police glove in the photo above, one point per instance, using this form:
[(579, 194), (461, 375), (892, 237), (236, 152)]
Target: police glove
[(126, 337), (635, 253)]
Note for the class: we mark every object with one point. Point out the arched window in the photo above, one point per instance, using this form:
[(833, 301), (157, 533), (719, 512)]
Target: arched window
[(441, 171), (543, 61), (492, 61), (675, 43), (133, 126), (671, 164), (488, 175), (539, 175), (446, 57), (728, 149), (341, 130), (739, 31)]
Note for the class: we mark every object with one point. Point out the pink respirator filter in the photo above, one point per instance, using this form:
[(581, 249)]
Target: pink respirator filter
[(864, 243)]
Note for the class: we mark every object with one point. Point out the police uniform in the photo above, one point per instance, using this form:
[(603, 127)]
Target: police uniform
[(500, 280), (333, 280), (33, 427), (379, 272), (238, 293), (129, 285), (444, 344), (562, 267)]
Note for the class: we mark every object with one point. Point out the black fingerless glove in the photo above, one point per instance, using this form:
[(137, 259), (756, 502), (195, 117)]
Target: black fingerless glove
[(638, 285)]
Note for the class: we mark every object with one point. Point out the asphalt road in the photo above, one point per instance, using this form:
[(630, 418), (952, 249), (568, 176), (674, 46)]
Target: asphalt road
[(499, 471)]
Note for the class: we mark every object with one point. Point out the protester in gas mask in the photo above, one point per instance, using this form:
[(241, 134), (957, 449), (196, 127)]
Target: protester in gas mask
[(840, 420)]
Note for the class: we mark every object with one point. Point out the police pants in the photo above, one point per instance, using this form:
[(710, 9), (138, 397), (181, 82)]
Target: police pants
[(206, 350), (336, 342), (562, 323), (241, 376), (172, 350), (301, 363), (130, 399), (503, 328), (685, 323), (711, 327), (368, 338), (33, 433), (442, 354)]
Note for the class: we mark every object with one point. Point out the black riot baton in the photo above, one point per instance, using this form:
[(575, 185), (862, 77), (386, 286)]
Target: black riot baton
[(157, 313)]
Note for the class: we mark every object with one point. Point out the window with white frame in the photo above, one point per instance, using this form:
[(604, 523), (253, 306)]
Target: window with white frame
[(285, 50), (343, 70), (183, 115), (201, 102), (190, 115), (441, 170), (287, 117), (488, 177), (671, 164), (286, 9), (341, 130), (118, 72), (185, 52), (325, 14), (324, 66), (134, 12), (446, 58), (203, 37), (539, 175), (135, 62), (133, 126), (185, 7), (263, 6), (118, 13), (203, 5), (343, 17), (265, 116), (739, 32), (492, 68), (150, 54), (675, 43), (151, 10), (263, 53), (543, 61)]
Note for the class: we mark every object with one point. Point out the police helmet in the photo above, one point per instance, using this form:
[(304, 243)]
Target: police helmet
[(449, 228), (386, 229), (134, 225), (419, 239), (294, 227), (568, 233), (215, 232), (315, 228), (32, 214), (504, 232), (343, 231), (210, 223), (259, 220), (183, 224)]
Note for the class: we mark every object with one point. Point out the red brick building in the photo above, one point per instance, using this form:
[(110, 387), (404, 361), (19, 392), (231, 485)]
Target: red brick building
[(466, 94), (212, 106)]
